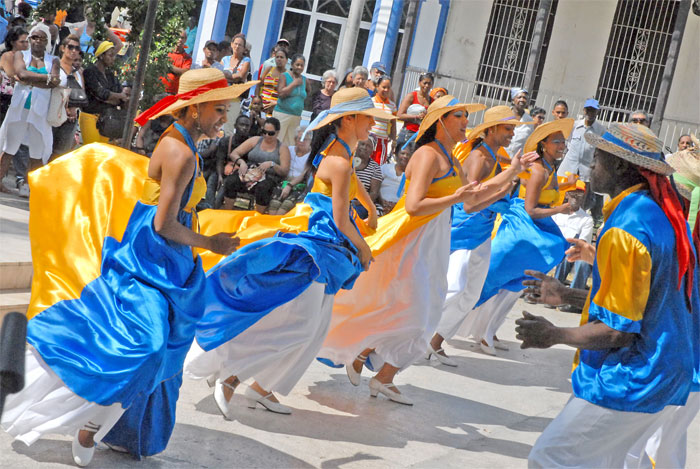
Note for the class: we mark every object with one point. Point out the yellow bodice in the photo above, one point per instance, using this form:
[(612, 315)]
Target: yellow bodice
[(322, 188), (151, 192), (550, 193)]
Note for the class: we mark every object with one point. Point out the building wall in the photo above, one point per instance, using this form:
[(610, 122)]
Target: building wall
[(577, 47), (431, 22), (464, 38), (684, 96)]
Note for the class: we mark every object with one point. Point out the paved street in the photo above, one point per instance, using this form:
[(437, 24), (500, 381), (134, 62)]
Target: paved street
[(486, 413)]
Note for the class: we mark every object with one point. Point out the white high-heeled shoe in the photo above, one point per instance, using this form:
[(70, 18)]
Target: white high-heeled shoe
[(353, 375), (220, 398), (376, 387), (82, 455), (254, 398), (444, 359)]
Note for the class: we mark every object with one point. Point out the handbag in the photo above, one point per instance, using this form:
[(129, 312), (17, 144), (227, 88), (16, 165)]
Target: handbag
[(78, 96), (111, 122), (57, 106)]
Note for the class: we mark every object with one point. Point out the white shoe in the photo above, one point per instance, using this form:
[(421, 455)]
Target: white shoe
[(24, 190), (376, 387), (254, 398), (81, 455), (498, 345), (353, 375), (220, 399), (487, 349), (444, 359)]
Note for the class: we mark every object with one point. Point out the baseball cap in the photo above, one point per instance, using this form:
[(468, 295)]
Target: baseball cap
[(590, 102), (282, 41), (211, 43), (379, 66)]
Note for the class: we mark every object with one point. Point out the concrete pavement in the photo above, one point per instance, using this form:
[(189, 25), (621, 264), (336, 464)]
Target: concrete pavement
[(487, 412)]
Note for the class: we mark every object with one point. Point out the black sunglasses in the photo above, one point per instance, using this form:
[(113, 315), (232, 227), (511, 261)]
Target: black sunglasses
[(72, 47), (269, 132)]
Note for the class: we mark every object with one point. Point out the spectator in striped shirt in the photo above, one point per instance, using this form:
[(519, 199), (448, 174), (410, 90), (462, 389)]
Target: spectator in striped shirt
[(370, 175)]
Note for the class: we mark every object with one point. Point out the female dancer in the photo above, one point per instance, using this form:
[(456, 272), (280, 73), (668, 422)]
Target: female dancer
[(481, 156), (394, 308), (117, 291), (527, 237), (271, 302)]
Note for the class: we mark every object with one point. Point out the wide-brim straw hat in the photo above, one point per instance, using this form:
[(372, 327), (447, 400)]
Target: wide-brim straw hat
[(686, 163), (564, 126), (196, 86), (635, 143), (348, 102), (442, 106), (497, 115)]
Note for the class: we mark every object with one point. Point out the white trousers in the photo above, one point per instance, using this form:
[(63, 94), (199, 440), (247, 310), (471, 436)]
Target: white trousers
[(484, 321), (466, 274), (667, 446), (585, 435)]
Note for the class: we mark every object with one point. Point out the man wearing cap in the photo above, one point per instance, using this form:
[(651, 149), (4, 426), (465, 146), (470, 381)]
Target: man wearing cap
[(519, 98), (211, 52), (638, 339), (181, 62), (579, 156)]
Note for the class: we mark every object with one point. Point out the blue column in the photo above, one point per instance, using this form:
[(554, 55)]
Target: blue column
[(274, 24), (372, 29), (219, 29), (246, 17), (439, 33), (392, 34)]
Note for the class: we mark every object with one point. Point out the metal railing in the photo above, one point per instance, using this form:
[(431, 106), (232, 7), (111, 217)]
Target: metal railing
[(465, 91)]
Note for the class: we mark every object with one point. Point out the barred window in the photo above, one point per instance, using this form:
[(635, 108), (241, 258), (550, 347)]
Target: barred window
[(504, 57), (636, 56)]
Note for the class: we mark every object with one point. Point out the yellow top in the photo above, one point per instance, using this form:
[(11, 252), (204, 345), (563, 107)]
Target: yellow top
[(151, 192), (550, 193)]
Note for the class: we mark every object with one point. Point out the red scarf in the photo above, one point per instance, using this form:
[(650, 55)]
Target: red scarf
[(664, 195), (164, 103)]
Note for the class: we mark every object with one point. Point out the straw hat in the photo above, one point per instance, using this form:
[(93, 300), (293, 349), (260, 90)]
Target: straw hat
[(687, 166), (635, 143), (543, 131), (442, 106), (497, 115), (196, 86), (348, 102)]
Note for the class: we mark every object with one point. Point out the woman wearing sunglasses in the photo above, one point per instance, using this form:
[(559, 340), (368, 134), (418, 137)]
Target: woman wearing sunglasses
[(527, 237), (64, 135), (386, 320), (262, 163)]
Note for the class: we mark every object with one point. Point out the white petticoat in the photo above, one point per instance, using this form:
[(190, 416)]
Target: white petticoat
[(276, 350), (465, 278), (47, 406), (396, 305), (483, 321)]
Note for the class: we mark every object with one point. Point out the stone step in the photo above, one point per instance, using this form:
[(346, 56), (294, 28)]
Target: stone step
[(14, 300), (15, 275)]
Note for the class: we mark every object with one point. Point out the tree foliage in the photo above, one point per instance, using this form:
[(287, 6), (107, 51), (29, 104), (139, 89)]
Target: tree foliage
[(171, 18)]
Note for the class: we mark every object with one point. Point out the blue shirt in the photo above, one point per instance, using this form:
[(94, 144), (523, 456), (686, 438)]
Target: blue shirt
[(635, 289)]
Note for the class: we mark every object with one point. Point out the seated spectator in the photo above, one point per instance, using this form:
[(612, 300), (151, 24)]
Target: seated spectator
[(223, 164), (26, 120), (392, 174), (538, 116), (370, 175), (578, 225), (181, 62), (262, 163), (321, 100), (211, 55), (105, 93), (150, 133), (295, 186), (64, 135)]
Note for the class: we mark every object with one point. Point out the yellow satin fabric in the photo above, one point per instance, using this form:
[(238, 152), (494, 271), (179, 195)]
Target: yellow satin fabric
[(251, 226), (76, 202), (462, 149), (549, 195), (624, 266), (398, 223), (151, 192)]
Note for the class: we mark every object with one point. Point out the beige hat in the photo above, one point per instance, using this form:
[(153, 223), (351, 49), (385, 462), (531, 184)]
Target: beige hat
[(564, 126), (497, 115), (442, 106), (196, 86), (348, 102), (635, 143), (687, 166)]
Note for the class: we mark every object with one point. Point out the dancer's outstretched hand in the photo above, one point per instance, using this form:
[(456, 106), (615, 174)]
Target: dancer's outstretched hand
[(223, 243), (544, 289), (580, 250), (535, 331), (468, 190), (519, 162)]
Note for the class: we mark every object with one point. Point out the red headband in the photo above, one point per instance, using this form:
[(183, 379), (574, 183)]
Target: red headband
[(164, 103)]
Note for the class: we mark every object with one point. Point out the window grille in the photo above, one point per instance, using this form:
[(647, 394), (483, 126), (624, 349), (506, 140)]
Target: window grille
[(636, 56), (504, 57)]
